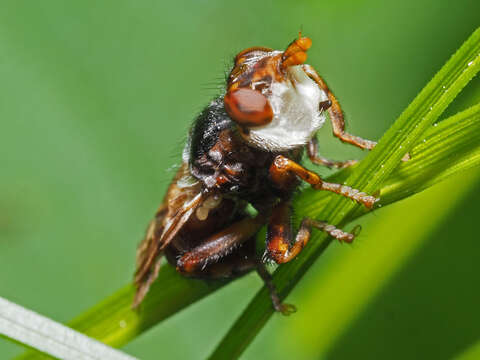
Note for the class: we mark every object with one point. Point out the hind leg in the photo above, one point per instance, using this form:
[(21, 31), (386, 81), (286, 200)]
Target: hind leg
[(239, 263), (231, 253), (218, 247)]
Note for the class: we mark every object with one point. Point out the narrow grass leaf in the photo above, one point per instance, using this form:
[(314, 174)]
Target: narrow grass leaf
[(445, 148), (45, 335)]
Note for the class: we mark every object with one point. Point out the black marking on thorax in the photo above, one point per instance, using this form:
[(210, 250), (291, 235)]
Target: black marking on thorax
[(207, 127), (217, 150)]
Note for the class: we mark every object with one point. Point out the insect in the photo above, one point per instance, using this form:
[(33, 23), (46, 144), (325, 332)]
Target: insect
[(244, 148)]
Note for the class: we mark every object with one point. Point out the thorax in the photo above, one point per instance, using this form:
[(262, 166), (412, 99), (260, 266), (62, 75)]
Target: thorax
[(223, 161)]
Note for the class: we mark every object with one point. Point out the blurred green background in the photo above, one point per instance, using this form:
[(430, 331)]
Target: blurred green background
[(95, 101)]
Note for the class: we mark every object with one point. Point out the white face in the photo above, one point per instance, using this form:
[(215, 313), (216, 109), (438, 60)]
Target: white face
[(295, 104)]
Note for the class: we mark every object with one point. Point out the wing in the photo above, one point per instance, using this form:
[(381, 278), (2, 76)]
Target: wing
[(182, 198)]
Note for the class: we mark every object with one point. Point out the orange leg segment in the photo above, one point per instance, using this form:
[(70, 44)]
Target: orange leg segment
[(279, 234), (219, 245), (282, 247), (282, 167)]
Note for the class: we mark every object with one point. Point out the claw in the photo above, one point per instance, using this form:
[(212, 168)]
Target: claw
[(356, 230), (286, 309)]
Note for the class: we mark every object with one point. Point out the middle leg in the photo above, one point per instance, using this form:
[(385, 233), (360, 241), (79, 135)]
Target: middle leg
[(282, 167)]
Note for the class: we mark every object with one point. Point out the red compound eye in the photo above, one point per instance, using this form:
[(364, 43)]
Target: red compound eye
[(248, 107)]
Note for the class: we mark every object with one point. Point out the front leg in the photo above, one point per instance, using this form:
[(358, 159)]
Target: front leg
[(336, 114), (282, 168)]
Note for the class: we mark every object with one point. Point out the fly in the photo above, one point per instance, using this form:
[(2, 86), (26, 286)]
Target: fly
[(245, 148)]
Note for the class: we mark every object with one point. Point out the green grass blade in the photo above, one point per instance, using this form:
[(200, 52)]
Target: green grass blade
[(444, 150), (369, 176), (33, 330)]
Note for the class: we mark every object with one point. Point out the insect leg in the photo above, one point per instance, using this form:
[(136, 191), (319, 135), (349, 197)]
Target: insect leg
[(282, 247), (312, 152), (282, 167), (219, 245), (279, 234), (285, 309), (336, 114)]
